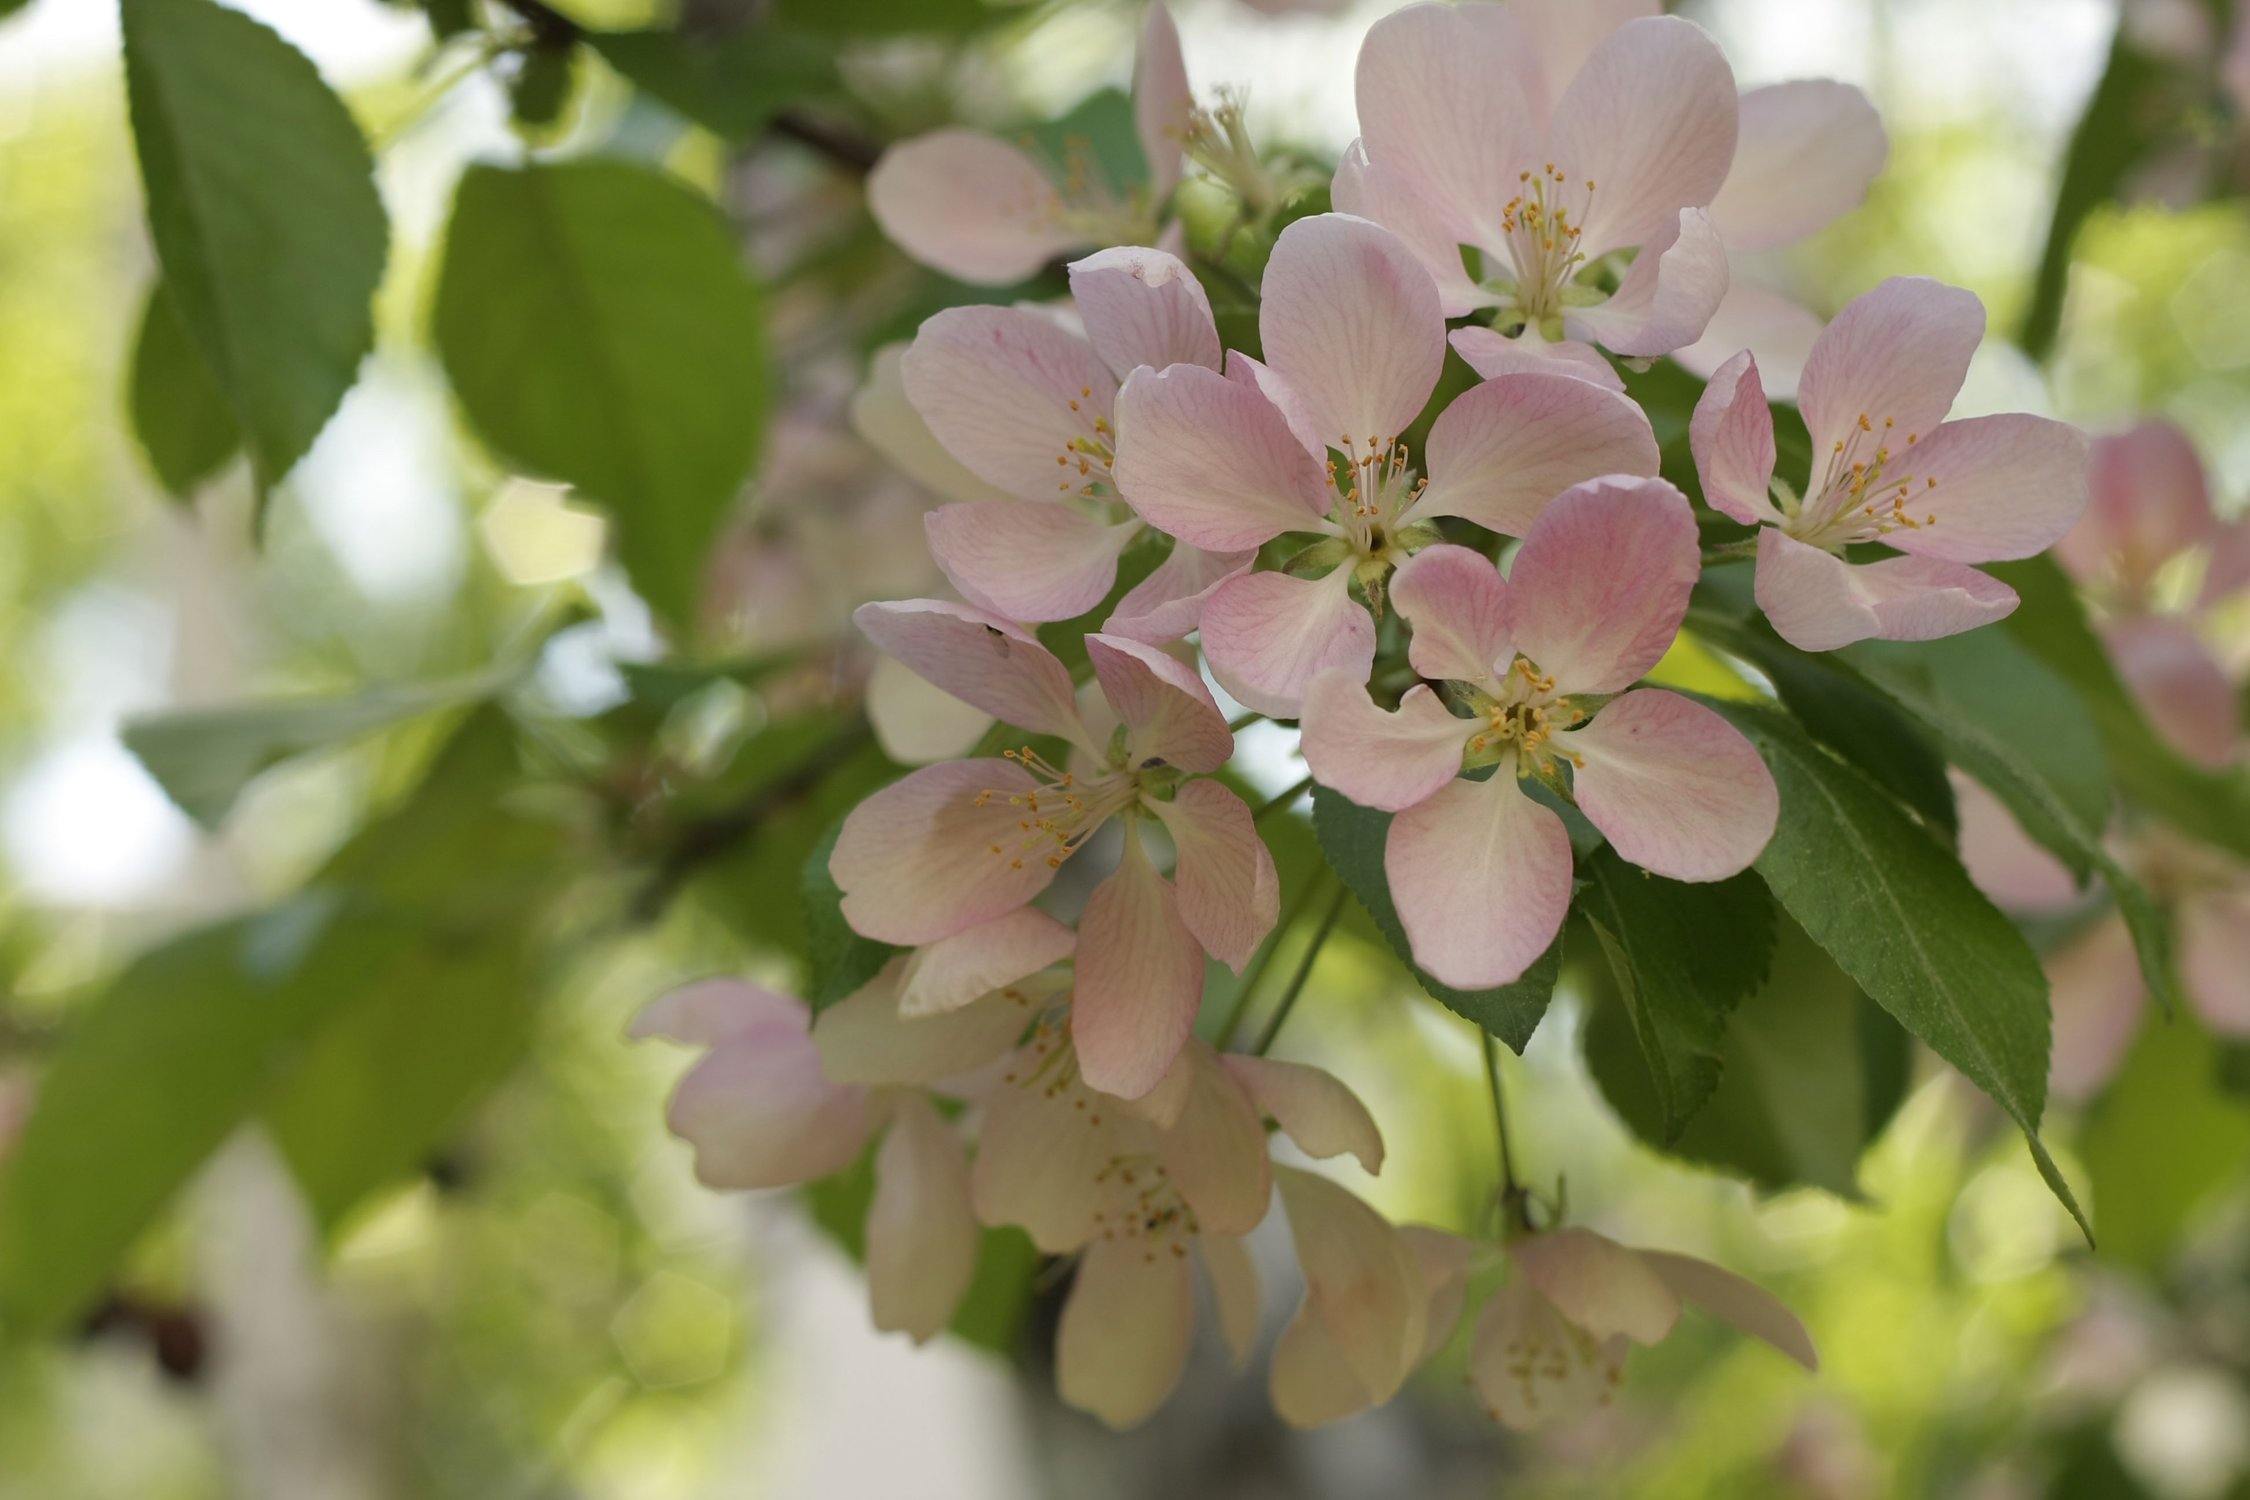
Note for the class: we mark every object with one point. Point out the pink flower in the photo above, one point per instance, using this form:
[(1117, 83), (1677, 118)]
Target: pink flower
[(1585, 199), (1026, 402), (1134, 1187), (775, 1102), (1364, 1323), (1354, 340), (954, 846), (976, 208), (1541, 660), (1887, 467)]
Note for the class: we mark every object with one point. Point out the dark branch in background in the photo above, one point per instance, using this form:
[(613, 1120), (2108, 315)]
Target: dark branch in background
[(845, 147), (550, 27)]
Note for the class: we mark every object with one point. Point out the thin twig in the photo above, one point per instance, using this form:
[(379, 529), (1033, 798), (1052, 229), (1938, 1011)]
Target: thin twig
[(1263, 962), (1304, 972), (1282, 800)]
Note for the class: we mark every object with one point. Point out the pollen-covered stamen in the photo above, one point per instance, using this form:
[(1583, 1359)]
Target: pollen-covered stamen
[(1058, 814), (1217, 141), (1521, 721), (1866, 489), (1375, 483), (1544, 223), (1087, 458), (1085, 201), (1140, 1202)]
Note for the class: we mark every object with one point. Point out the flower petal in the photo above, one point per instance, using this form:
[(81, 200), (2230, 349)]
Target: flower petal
[(1506, 447), (1234, 1291), (1651, 120), (1350, 319), (1493, 354), (1169, 716), (1223, 900), (1008, 391), (1897, 354), (1387, 761), (2215, 958), (1598, 1284), (970, 965), (1361, 1280), (2179, 685), (868, 1038), (1125, 1332), (1442, 103), (968, 205), (917, 723), (2005, 486), (1308, 1380), (1457, 603), (1806, 153), (1481, 875), (887, 422), (1444, 1258), (1267, 636), (1675, 788), (1144, 307), (1562, 34), (1729, 1297), (1047, 1151), (1027, 560), (921, 1233), (1215, 1152), (1668, 296), (1732, 437), (760, 1112), (2097, 995), (1211, 461), (1601, 583), (981, 659), (1162, 101), (1819, 602), (1244, 370), (712, 1010), (1754, 317), (2149, 501), (1312, 1106), (1531, 1367), (1389, 198), (2002, 859), (1168, 604), (915, 860), (1140, 979)]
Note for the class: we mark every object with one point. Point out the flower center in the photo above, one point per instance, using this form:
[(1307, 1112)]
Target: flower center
[(1521, 722), (1087, 205), (1376, 483), (1136, 1197), (1864, 492), (1059, 813), (1543, 240), (1091, 454)]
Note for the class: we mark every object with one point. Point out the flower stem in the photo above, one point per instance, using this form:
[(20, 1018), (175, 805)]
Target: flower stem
[(1730, 551), (1509, 1188), (1304, 971), (1264, 961), (1243, 721), (1281, 800)]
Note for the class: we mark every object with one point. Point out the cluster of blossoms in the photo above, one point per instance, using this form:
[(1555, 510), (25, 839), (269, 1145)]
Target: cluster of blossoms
[(1460, 634)]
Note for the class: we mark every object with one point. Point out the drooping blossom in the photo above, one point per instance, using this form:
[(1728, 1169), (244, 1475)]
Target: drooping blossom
[(1354, 340), (954, 846), (1135, 1188), (1579, 174), (1542, 661), (2149, 528), (1025, 400), (1887, 467), (776, 1101), (977, 208)]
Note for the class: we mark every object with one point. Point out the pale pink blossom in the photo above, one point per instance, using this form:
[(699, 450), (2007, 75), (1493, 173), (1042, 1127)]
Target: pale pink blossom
[(1887, 467), (1576, 160), (1363, 1326), (962, 844), (1542, 661), (980, 209), (1354, 340)]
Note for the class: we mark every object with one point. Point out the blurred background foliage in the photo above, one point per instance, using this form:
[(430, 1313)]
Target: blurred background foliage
[(462, 1259)]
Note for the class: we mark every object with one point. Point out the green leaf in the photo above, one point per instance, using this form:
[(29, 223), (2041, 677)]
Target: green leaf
[(597, 326), (841, 960), (857, 18), (732, 85), (1682, 956), (2161, 1139), (540, 89), (186, 428), (262, 203), (1352, 837), (1100, 131), (1897, 912), (204, 757)]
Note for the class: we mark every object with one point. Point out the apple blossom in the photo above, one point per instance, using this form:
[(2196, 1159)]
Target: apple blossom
[(1888, 467), (957, 845), (1354, 340), (1542, 660)]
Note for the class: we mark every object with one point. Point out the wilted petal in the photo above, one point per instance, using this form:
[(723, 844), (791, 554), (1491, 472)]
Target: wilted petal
[(1729, 1297), (921, 1233), (1140, 978), (1481, 875), (1234, 1291), (1819, 602), (1027, 560), (1457, 603), (1650, 120), (1598, 1284), (1144, 307), (1757, 318), (1267, 636), (2149, 501), (1442, 102), (1125, 1332), (981, 659), (887, 421), (970, 965), (1732, 436), (1601, 583), (2215, 958), (916, 862), (1506, 447), (1668, 296), (973, 207), (1388, 761), (1361, 1281), (1213, 462), (917, 722), (2097, 995), (1214, 1153), (1532, 1367), (1223, 900), (2006, 486), (1162, 100), (1313, 1108), (1808, 150), (1169, 716), (1493, 354), (1350, 319), (1675, 788), (1008, 391), (1897, 354), (866, 1038), (1168, 604), (1390, 199)]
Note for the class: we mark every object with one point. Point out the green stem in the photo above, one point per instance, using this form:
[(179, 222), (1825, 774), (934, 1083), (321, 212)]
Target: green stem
[(1731, 551), (1237, 725), (1263, 962), (1509, 1188), (1304, 972), (1282, 800)]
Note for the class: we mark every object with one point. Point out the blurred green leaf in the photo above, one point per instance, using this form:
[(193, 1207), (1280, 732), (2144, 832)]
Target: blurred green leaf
[(449, 18), (540, 89), (869, 18), (262, 203), (1682, 956), (204, 757), (731, 85), (186, 428), (598, 328), (1352, 837), (1897, 912), (841, 960), (2161, 1139), (1098, 131)]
